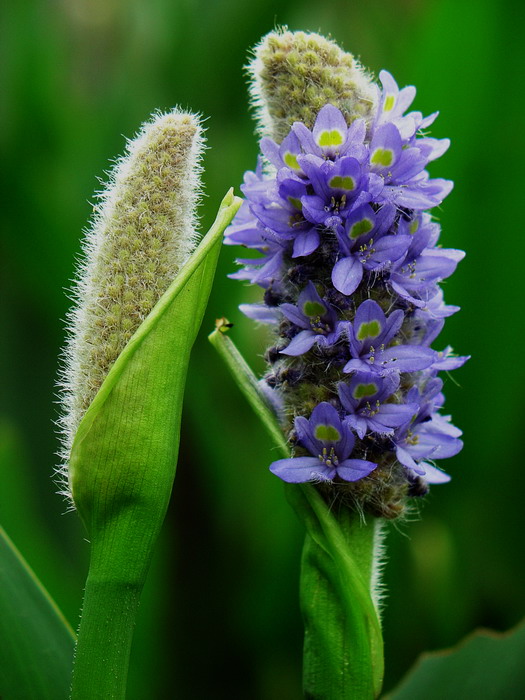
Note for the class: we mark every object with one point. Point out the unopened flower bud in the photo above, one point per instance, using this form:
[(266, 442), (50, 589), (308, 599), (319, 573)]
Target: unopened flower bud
[(143, 232), (294, 74)]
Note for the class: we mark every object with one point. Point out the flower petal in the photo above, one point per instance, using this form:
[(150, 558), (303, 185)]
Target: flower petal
[(298, 470), (347, 274), (355, 469), (305, 243), (434, 475), (300, 344)]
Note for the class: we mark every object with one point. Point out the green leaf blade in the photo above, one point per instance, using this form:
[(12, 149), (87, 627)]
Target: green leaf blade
[(485, 666), (36, 642)]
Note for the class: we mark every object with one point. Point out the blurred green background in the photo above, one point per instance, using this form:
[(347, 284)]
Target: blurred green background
[(220, 614)]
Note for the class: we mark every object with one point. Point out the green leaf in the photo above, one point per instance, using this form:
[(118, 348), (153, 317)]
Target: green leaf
[(343, 654), (36, 642), (123, 463), (485, 665)]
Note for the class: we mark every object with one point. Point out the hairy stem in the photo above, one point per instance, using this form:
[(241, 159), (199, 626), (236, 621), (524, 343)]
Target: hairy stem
[(341, 654)]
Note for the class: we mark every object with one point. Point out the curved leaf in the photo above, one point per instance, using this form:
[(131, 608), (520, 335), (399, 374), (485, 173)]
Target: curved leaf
[(36, 642), (485, 665)]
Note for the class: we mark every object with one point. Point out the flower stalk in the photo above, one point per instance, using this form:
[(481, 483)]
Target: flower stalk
[(343, 648), (350, 268)]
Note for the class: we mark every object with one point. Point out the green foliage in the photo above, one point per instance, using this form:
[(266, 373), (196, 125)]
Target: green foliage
[(79, 74), (485, 666), (36, 643)]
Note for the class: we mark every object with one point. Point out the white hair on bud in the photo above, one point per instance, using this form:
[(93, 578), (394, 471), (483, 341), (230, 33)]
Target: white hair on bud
[(142, 233)]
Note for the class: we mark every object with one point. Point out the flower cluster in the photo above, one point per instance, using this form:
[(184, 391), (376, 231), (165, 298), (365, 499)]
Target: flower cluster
[(350, 266)]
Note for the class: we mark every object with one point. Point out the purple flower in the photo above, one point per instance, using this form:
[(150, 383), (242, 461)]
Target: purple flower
[(331, 442), (365, 247), (369, 335), (330, 137), (434, 439), (415, 279), (316, 317), (363, 398), (393, 103), (351, 267), (285, 154)]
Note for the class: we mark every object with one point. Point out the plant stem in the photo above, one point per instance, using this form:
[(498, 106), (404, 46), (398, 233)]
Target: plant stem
[(105, 639), (343, 654), (340, 637), (120, 560)]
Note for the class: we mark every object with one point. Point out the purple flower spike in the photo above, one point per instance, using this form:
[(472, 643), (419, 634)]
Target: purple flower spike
[(351, 265), (332, 442)]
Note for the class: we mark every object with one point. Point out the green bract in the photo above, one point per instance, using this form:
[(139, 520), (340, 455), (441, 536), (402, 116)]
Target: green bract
[(122, 465), (128, 438)]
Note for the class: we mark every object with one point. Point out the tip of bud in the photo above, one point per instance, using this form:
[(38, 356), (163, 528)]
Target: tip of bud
[(293, 74)]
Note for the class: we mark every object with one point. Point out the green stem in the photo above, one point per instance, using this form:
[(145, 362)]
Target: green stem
[(105, 636), (340, 643), (343, 653), (120, 559)]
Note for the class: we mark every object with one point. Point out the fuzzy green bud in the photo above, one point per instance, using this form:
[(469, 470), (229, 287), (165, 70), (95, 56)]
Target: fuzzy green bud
[(294, 74), (143, 232), (142, 294)]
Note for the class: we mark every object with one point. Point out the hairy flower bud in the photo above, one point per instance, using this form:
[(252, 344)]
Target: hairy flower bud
[(293, 74), (142, 234)]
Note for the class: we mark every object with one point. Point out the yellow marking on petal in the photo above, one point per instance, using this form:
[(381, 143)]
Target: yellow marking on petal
[(313, 309), (362, 390), (294, 201), (342, 183), (330, 138), (389, 103), (369, 329), (360, 228), (327, 433), (291, 160), (414, 226), (382, 156)]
